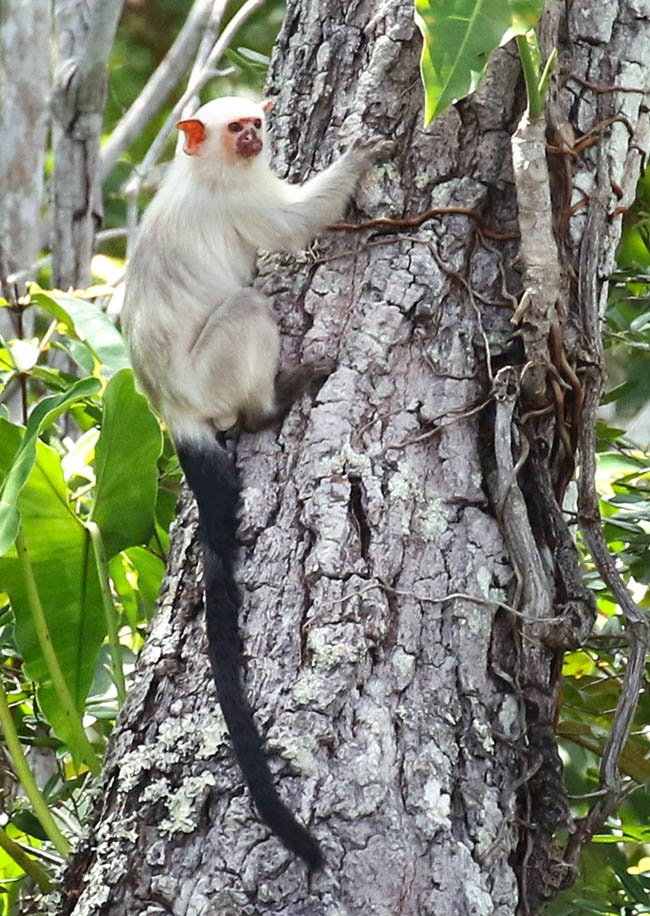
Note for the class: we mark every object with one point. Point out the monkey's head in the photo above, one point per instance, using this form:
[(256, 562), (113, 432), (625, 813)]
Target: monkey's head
[(229, 129)]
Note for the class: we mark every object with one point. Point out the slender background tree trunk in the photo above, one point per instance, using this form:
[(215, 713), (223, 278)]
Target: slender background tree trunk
[(406, 724), (24, 101), (85, 32), (24, 124)]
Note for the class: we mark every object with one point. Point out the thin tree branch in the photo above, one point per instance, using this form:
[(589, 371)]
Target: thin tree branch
[(20, 276), (160, 84), (196, 83), (210, 36)]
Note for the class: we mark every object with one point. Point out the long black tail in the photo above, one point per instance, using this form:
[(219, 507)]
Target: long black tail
[(213, 478)]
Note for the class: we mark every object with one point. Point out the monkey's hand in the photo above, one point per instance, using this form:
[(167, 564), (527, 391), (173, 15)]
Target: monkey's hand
[(376, 149)]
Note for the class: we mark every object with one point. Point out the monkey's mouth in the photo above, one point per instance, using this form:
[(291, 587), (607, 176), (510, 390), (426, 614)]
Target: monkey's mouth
[(248, 145)]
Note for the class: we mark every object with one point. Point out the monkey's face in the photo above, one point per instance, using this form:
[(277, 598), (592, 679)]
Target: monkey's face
[(226, 131), (243, 138)]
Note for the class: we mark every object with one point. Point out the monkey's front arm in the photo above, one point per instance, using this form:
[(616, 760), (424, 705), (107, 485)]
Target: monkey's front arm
[(293, 214)]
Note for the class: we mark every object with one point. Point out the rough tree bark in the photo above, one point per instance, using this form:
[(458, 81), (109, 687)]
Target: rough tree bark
[(409, 723)]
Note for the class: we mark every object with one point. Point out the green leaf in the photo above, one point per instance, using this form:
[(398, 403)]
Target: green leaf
[(126, 467), (577, 664), (9, 525), (619, 463), (614, 394), (458, 38), (632, 761), (137, 574), (15, 475), (80, 353), (639, 834), (634, 888), (248, 59), (149, 570), (91, 326), (608, 838), (54, 379), (29, 824), (65, 573), (607, 434), (123, 579)]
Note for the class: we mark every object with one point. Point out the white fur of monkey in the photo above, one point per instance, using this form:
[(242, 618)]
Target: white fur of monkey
[(204, 345)]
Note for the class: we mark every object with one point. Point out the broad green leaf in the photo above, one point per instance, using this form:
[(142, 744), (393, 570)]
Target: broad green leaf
[(29, 824), (90, 324), (149, 570), (125, 583), (126, 466), (634, 832), (458, 38), (577, 664), (607, 434), (618, 463), (15, 476), (165, 512), (632, 761), (55, 379), (634, 888), (80, 353), (10, 438), (64, 568), (11, 872), (614, 394)]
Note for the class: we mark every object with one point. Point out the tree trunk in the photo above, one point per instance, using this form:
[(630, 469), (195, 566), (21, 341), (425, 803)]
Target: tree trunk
[(85, 33), (408, 723), (24, 98)]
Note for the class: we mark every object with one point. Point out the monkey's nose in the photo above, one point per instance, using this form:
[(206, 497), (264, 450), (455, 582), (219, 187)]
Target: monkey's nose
[(249, 143)]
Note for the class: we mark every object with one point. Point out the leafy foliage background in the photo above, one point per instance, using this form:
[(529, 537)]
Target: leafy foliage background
[(614, 875)]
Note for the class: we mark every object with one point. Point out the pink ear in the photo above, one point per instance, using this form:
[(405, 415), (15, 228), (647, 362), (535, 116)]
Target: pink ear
[(268, 106), (194, 131)]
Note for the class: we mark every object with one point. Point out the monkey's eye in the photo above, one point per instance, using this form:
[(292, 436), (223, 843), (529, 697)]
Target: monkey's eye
[(257, 123), (234, 127)]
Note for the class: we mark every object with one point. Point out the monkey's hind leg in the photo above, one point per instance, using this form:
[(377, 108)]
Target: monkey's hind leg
[(294, 381), (290, 384)]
